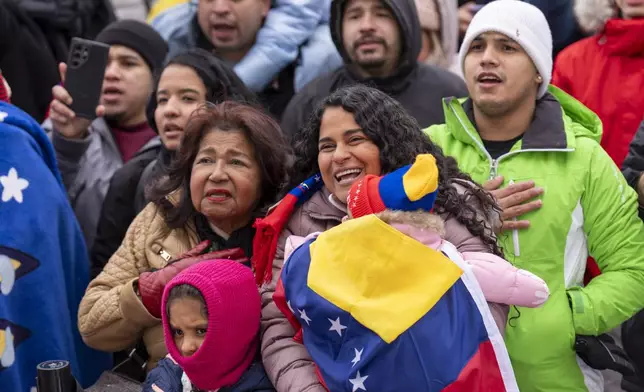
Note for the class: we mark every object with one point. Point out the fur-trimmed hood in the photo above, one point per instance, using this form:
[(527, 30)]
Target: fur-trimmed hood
[(593, 14), (419, 219)]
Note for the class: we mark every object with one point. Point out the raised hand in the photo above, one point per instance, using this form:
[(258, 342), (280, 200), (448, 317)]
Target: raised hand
[(62, 117)]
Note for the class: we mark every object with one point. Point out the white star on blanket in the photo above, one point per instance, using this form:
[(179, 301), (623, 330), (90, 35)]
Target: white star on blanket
[(13, 186)]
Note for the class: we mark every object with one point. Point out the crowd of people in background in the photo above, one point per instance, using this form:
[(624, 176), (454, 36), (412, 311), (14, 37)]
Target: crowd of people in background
[(325, 195)]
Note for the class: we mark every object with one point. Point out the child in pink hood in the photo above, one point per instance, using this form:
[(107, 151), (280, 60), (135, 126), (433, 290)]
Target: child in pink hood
[(407, 207), (210, 316)]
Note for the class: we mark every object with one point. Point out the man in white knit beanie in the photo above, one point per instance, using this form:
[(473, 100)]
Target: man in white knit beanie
[(512, 26), (537, 150)]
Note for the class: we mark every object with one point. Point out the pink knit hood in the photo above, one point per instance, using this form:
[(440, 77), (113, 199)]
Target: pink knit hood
[(234, 308)]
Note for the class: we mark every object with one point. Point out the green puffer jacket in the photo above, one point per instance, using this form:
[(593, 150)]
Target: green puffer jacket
[(588, 208)]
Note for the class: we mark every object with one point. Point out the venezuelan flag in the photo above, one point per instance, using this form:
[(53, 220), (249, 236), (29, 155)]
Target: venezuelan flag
[(379, 311)]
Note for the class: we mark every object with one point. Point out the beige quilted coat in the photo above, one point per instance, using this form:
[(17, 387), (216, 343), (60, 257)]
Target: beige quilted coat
[(111, 316)]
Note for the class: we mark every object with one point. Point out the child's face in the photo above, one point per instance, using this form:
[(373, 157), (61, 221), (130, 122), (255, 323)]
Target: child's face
[(188, 325)]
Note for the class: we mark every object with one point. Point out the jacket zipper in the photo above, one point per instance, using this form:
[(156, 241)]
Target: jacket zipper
[(165, 255), (494, 168), (515, 234)]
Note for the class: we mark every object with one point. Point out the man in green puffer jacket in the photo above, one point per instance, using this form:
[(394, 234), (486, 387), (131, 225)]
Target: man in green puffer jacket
[(515, 126)]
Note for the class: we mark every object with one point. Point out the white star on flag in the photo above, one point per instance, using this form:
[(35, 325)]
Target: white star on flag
[(358, 382), (288, 303), (304, 317), (337, 326), (13, 186), (358, 357), (3, 115)]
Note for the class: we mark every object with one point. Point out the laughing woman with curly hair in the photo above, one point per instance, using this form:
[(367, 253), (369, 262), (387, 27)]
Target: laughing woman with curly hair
[(356, 131)]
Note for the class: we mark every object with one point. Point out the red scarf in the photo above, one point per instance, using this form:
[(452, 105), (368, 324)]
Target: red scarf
[(4, 94), (268, 229)]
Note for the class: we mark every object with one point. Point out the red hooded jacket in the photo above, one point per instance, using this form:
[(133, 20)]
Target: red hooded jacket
[(606, 73)]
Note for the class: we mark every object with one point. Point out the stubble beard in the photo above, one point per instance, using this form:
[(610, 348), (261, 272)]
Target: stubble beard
[(370, 66)]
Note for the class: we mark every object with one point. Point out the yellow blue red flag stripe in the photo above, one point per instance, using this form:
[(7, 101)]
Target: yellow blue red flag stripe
[(451, 344)]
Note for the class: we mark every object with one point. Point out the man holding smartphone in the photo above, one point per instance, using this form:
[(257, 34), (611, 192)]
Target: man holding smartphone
[(90, 152)]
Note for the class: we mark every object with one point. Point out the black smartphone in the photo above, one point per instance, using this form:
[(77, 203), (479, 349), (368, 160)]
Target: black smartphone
[(85, 73)]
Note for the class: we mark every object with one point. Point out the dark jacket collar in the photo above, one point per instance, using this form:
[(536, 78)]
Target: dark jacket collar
[(242, 238), (547, 130)]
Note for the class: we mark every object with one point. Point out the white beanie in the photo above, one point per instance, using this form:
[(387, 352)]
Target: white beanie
[(523, 23)]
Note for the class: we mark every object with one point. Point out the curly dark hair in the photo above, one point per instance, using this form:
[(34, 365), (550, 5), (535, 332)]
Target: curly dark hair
[(400, 140), (263, 133)]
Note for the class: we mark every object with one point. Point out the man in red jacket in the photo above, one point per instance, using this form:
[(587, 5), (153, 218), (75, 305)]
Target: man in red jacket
[(606, 71)]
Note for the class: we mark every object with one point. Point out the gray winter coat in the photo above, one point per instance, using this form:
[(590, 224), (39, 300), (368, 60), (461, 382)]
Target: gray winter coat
[(87, 166)]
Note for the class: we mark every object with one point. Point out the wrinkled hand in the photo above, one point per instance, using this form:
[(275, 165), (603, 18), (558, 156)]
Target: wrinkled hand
[(62, 117), (465, 15), (601, 352), (514, 201), (152, 284)]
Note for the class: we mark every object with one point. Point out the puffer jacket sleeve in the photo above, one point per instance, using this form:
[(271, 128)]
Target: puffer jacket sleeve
[(111, 316), (466, 242), (117, 214), (287, 363), (68, 155), (615, 236), (458, 234), (503, 283), (167, 17), (166, 376), (287, 26)]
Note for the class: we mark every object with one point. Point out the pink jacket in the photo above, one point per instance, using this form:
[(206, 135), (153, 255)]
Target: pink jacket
[(500, 281)]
